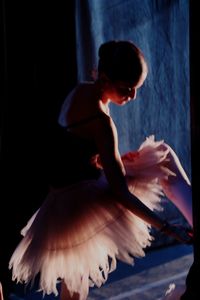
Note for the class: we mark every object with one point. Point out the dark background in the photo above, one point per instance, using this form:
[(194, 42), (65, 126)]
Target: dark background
[(39, 69)]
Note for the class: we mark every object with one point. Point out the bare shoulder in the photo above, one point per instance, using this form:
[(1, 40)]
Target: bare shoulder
[(104, 124), (104, 132), (87, 113), (82, 104)]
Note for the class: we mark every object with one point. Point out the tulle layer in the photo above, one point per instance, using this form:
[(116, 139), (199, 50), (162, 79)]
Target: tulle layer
[(80, 231)]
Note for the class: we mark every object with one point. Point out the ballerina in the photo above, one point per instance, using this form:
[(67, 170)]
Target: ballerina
[(101, 204)]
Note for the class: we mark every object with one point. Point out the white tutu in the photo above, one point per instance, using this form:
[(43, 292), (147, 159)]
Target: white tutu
[(80, 230)]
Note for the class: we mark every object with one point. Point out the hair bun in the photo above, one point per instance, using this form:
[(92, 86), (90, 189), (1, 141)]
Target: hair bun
[(107, 50), (121, 60)]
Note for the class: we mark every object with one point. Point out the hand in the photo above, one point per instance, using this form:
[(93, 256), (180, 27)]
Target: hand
[(180, 233), (184, 235)]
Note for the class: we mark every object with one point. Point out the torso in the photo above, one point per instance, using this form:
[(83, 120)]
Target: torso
[(69, 158), (73, 148)]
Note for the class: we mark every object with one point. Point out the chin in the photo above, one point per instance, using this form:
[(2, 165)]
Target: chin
[(126, 100), (121, 102)]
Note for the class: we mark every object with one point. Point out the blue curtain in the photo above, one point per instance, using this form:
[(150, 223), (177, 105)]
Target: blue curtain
[(161, 30)]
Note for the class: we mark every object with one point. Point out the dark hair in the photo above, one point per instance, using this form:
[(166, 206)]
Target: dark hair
[(121, 60)]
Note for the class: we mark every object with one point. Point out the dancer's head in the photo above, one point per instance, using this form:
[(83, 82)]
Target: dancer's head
[(122, 64)]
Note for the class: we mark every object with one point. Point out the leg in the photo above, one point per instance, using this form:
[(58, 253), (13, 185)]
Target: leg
[(178, 188), (1, 292), (65, 294), (5, 274)]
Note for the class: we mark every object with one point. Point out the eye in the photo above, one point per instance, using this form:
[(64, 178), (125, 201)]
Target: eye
[(124, 90)]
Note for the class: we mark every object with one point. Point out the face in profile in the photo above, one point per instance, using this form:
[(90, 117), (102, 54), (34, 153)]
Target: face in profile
[(120, 92), (123, 66)]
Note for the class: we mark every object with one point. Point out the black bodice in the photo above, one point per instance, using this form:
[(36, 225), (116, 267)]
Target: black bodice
[(68, 157)]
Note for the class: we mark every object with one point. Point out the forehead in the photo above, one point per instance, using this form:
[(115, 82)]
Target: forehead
[(125, 84), (131, 84)]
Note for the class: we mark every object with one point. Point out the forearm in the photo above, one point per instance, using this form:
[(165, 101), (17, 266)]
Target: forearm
[(142, 211), (133, 204), (118, 184)]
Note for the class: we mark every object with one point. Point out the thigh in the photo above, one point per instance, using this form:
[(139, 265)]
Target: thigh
[(65, 294)]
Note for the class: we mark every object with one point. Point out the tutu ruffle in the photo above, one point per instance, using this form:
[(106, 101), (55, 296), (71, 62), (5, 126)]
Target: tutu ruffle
[(80, 231)]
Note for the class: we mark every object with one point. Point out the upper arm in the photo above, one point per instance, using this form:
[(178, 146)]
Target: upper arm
[(106, 139), (105, 135)]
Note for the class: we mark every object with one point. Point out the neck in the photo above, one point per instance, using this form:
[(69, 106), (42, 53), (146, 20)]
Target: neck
[(101, 96), (101, 91), (104, 107)]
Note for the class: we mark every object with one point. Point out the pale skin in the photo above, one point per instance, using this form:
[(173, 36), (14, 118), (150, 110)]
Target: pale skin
[(1, 292), (92, 98)]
